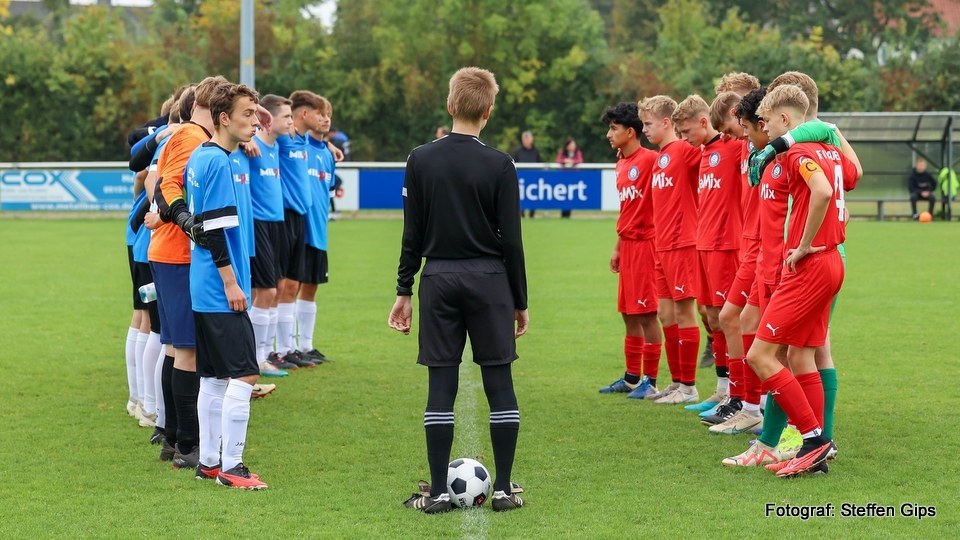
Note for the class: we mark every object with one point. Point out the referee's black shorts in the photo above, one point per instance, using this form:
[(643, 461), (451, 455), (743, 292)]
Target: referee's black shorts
[(292, 247), (226, 346), (265, 265), (466, 296)]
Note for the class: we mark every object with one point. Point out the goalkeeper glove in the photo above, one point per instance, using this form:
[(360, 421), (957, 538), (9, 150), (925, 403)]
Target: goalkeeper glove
[(759, 159), (192, 227)]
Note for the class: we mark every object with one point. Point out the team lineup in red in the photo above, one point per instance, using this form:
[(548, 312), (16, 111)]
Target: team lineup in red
[(737, 222)]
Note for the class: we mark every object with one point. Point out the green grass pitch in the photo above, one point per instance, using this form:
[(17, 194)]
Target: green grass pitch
[(342, 445)]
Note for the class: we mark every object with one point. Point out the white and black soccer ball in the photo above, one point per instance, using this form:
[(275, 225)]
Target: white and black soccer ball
[(468, 483)]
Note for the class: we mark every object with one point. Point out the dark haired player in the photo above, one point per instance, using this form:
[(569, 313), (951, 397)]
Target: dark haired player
[(634, 256)]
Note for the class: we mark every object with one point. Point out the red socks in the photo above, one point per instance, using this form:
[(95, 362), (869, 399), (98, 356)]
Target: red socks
[(720, 349), (751, 383), (651, 359), (633, 352), (813, 389), (738, 386), (791, 398), (689, 350), (671, 342)]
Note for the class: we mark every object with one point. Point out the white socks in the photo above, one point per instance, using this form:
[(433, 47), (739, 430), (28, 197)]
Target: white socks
[(286, 328), (130, 354), (138, 362), (236, 416), (209, 412), (306, 317), (260, 318), (272, 331), (753, 409), (158, 389), (148, 367), (723, 385)]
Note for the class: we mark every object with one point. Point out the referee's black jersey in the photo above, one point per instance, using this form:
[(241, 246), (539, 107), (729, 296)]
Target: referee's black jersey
[(461, 200)]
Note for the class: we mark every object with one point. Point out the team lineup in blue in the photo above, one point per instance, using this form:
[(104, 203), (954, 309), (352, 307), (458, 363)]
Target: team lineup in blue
[(732, 218)]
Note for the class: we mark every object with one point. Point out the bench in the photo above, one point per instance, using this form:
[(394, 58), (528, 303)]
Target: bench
[(881, 215)]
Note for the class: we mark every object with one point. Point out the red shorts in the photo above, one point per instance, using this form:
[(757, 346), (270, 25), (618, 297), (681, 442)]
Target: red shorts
[(745, 281), (677, 273), (799, 310), (717, 271), (764, 292), (637, 292), (754, 297)]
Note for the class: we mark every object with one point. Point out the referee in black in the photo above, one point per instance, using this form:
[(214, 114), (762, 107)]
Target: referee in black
[(461, 210)]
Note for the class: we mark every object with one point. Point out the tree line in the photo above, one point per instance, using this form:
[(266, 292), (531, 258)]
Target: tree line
[(75, 81)]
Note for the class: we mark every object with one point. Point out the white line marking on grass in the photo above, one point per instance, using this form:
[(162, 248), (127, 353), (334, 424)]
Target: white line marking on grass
[(474, 524)]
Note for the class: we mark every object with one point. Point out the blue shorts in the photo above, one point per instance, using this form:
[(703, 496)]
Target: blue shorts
[(173, 302)]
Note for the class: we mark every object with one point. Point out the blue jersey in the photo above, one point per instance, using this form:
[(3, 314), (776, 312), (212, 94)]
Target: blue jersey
[(141, 244), (265, 188), (132, 236), (241, 177), (293, 172), (212, 197), (321, 168)]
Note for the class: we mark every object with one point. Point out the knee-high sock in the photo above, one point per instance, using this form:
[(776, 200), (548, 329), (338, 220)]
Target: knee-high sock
[(306, 317), (438, 424), (151, 354), (774, 422), (272, 331), (830, 387), (689, 351), (504, 421), (138, 362), (671, 343), (209, 413), (286, 328), (790, 395), (130, 355), (719, 350), (813, 390), (260, 319), (750, 380), (186, 386), (235, 418), (633, 353), (169, 404), (651, 361), (737, 386), (158, 384)]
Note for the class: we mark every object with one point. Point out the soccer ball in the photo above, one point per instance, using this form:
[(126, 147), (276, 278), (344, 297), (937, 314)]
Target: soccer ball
[(925, 217), (468, 483)]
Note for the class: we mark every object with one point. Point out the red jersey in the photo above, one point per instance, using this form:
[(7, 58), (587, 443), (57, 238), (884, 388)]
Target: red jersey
[(801, 161), (773, 194), (636, 205), (675, 195), (720, 216), (749, 197)]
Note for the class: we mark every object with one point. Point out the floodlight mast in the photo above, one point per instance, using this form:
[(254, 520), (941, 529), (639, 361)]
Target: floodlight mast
[(246, 43)]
